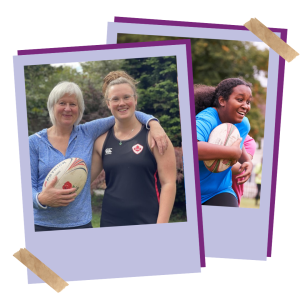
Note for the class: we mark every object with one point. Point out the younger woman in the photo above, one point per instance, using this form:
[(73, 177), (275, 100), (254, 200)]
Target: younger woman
[(229, 102), (141, 183)]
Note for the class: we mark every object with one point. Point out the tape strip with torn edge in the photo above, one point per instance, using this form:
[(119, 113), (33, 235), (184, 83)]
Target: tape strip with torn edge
[(40, 269), (271, 39)]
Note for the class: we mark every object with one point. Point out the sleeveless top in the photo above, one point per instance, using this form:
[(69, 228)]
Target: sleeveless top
[(133, 187)]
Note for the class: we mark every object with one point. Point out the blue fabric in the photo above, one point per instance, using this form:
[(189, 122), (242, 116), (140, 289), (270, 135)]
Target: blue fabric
[(43, 157), (212, 184)]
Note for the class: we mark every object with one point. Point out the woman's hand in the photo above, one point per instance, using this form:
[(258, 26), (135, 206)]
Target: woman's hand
[(53, 197), (158, 136), (247, 167)]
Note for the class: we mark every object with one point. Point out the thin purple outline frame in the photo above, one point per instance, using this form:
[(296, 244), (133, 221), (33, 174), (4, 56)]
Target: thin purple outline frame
[(281, 67), (192, 108)]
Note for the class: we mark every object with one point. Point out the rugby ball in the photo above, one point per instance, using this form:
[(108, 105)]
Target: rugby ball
[(71, 173), (225, 134)]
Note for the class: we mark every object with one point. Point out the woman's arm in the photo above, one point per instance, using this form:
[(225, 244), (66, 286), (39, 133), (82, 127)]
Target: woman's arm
[(158, 134), (50, 196), (100, 126), (166, 166), (96, 158), (236, 168), (34, 167), (208, 151), (246, 166)]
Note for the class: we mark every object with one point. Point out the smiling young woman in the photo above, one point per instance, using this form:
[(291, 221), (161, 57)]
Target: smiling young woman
[(229, 102), (141, 184)]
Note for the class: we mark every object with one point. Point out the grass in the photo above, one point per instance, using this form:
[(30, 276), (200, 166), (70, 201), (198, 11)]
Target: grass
[(249, 203), (178, 212)]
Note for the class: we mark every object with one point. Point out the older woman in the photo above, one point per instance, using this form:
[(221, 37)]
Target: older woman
[(141, 184), (56, 209)]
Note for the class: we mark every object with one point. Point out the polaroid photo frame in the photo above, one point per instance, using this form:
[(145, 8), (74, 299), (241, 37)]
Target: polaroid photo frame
[(116, 252), (230, 232)]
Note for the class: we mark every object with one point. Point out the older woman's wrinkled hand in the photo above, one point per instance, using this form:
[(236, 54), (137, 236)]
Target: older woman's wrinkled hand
[(53, 197), (159, 137)]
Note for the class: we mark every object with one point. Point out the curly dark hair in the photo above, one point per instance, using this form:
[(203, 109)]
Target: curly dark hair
[(203, 97), (208, 96)]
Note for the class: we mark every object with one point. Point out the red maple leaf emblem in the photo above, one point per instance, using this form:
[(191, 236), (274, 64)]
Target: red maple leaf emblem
[(137, 149)]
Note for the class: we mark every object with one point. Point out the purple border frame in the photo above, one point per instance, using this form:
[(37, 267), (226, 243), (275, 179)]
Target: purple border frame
[(283, 36), (186, 42)]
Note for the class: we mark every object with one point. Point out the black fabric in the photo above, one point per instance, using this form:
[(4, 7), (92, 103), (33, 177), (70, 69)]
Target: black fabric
[(133, 188), (223, 199), (44, 228)]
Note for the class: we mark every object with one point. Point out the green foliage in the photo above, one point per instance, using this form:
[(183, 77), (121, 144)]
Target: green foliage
[(215, 60), (158, 91)]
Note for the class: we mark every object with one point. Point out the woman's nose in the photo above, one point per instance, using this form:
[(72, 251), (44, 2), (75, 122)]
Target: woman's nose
[(121, 101)]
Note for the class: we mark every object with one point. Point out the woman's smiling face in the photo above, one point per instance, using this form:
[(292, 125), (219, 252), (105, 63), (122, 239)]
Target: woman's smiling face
[(237, 106), (121, 100), (66, 110)]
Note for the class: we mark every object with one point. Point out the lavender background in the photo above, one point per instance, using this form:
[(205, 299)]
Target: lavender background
[(229, 232), (121, 251)]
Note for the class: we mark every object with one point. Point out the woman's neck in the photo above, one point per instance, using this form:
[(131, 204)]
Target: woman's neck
[(60, 131), (126, 125), (223, 118)]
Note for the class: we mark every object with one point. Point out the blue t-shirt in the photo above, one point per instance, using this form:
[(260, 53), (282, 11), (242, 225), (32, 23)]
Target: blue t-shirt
[(212, 184)]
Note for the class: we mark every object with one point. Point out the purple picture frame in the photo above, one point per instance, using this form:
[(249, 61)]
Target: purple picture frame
[(280, 73), (191, 260)]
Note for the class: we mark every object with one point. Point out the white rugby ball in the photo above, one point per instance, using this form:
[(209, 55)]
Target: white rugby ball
[(225, 134), (71, 173)]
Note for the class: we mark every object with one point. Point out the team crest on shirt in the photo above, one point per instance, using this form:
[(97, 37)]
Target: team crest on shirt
[(137, 149), (108, 151)]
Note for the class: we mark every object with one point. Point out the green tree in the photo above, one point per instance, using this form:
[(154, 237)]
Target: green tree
[(158, 91)]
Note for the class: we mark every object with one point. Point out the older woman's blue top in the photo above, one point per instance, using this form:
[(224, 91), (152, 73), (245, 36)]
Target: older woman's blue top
[(212, 184), (43, 157)]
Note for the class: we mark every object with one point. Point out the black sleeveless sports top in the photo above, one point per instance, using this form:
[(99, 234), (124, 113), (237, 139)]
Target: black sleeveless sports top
[(133, 187)]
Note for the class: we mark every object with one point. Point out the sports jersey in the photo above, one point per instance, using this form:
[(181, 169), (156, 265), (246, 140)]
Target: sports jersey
[(212, 184), (133, 188)]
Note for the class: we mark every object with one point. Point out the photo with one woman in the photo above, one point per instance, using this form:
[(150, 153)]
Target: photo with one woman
[(141, 183)]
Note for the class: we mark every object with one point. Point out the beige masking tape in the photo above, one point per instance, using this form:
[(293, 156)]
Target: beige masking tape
[(40, 269), (271, 39)]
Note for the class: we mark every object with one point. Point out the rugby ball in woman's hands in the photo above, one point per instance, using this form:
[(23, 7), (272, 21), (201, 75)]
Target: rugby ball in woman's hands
[(71, 173), (225, 134)]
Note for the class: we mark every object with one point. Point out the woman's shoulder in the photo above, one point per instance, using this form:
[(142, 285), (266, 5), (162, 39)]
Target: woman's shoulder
[(38, 136), (208, 116), (209, 112)]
